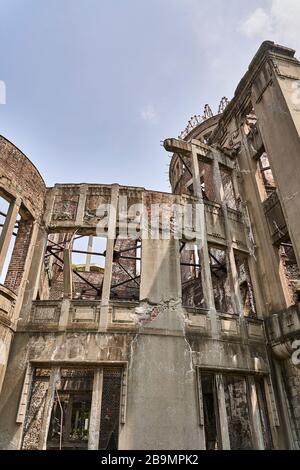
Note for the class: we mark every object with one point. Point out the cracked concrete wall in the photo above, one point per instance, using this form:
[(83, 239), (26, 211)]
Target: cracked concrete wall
[(161, 411)]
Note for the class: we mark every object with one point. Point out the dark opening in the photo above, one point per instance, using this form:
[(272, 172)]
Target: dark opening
[(210, 412)]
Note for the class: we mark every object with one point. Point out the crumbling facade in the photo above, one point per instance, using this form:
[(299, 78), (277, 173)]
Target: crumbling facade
[(116, 334)]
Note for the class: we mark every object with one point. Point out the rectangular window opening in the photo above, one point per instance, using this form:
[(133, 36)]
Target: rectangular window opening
[(207, 180), (237, 407), (238, 415), (246, 286), (126, 270), (191, 281), (87, 262), (69, 427), (229, 191), (210, 412), (266, 175), (70, 418), (220, 280)]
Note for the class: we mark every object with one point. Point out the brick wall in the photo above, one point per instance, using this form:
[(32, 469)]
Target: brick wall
[(19, 175), (18, 257)]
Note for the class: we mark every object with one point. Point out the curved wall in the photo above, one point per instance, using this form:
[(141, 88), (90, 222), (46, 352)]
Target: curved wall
[(19, 178)]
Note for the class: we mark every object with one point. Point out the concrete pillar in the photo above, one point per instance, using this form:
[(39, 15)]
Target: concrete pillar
[(268, 263), (275, 97), (49, 203), (161, 362), (68, 273), (95, 420), (53, 382), (81, 205), (7, 231), (219, 189), (36, 257), (224, 433), (202, 244), (111, 237), (160, 275), (255, 415), (89, 256)]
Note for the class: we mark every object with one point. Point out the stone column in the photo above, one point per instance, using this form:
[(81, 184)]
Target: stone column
[(95, 420), (275, 98), (54, 379), (161, 360), (7, 230), (255, 415), (89, 256), (81, 205), (111, 238), (275, 298), (68, 273), (202, 243), (219, 190), (225, 441)]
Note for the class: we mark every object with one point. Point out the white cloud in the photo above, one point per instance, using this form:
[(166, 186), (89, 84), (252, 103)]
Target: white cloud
[(149, 114), (278, 21), (257, 24)]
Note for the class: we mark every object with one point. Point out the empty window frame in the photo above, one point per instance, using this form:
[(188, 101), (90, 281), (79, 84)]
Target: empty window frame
[(220, 280), (51, 284), (191, 282), (207, 181), (238, 412), (70, 417), (228, 186), (87, 262), (126, 270), (291, 269), (238, 409), (210, 412), (245, 285), (263, 413), (71, 408), (266, 175)]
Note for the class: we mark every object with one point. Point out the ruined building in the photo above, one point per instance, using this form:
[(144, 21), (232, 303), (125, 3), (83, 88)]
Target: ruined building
[(113, 342)]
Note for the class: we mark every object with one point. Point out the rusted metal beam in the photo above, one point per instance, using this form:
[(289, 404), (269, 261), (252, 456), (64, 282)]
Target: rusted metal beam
[(128, 274), (124, 282), (76, 273)]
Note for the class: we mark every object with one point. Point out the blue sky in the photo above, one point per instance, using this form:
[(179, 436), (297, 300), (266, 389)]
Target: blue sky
[(93, 86)]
